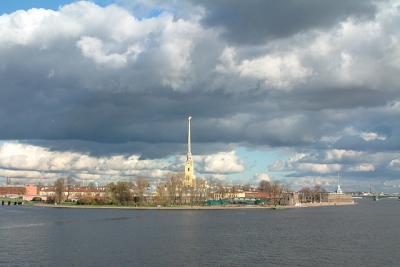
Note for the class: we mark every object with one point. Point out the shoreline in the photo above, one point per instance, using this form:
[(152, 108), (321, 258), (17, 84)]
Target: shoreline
[(227, 207)]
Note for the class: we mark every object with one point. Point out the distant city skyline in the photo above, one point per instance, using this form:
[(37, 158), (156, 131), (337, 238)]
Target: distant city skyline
[(101, 91)]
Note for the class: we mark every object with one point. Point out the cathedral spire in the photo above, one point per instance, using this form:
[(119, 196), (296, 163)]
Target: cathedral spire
[(189, 138), (189, 171)]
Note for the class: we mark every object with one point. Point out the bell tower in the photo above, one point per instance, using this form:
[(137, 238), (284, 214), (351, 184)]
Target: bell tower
[(189, 180), (338, 190)]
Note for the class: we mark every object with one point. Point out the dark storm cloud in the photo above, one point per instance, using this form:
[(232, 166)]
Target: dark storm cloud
[(146, 150), (255, 21), (107, 83), (335, 98)]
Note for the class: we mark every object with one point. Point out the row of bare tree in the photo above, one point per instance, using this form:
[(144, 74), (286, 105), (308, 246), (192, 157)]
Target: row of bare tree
[(124, 193), (313, 194), (277, 190), (171, 191)]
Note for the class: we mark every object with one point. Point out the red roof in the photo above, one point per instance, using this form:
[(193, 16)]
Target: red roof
[(12, 190), (75, 189), (257, 195)]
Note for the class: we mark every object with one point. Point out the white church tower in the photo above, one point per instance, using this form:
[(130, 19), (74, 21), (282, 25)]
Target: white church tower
[(338, 190), (189, 180)]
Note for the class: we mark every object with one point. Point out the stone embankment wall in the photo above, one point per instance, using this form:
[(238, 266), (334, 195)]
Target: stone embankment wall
[(337, 198), (323, 204)]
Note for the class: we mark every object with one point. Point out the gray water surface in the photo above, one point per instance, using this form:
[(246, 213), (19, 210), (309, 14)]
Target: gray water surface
[(367, 234)]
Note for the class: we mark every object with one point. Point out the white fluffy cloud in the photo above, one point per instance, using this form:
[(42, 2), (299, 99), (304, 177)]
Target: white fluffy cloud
[(277, 71), (93, 48), (263, 177), (351, 54), (222, 163), (309, 181), (395, 164), (364, 167), (366, 136), (326, 163), (392, 183), (110, 37), (29, 161), (318, 167), (371, 136), (35, 162), (340, 154)]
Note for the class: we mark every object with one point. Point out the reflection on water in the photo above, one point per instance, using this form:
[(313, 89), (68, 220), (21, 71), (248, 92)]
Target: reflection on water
[(367, 234), (85, 221), (13, 226)]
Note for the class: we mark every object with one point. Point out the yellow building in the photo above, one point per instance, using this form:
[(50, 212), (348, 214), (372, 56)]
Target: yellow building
[(189, 179)]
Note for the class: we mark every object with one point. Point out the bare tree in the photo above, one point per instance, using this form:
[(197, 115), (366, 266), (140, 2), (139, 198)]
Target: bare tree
[(306, 194), (220, 188), (141, 185), (265, 186), (59, 188), (235, 188), (317, 192), (275, 188), (246, 187), (200, 192), (174, 187), (161, 193), (120, 192), (92, 185), (277, 192), (69, 184)]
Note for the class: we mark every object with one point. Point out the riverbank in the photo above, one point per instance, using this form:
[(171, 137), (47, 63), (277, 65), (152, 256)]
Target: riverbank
[(225, 207)]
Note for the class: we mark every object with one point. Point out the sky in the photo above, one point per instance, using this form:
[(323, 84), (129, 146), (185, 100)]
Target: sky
[(296, 91)]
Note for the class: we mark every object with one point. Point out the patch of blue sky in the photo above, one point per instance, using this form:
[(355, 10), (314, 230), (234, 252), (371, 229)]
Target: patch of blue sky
[(14, 5), (141, 13), (146, 12), (256, 162), (155, 12)]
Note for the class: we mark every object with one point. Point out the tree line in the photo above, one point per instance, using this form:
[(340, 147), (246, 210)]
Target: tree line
[(311, 194), (170, 191), (279, 191), (276, 189)]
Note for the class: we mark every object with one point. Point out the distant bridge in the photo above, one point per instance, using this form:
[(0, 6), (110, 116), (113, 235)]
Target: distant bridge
[(376, 197)]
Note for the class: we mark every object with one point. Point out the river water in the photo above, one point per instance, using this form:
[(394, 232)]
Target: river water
[(367, 234)]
